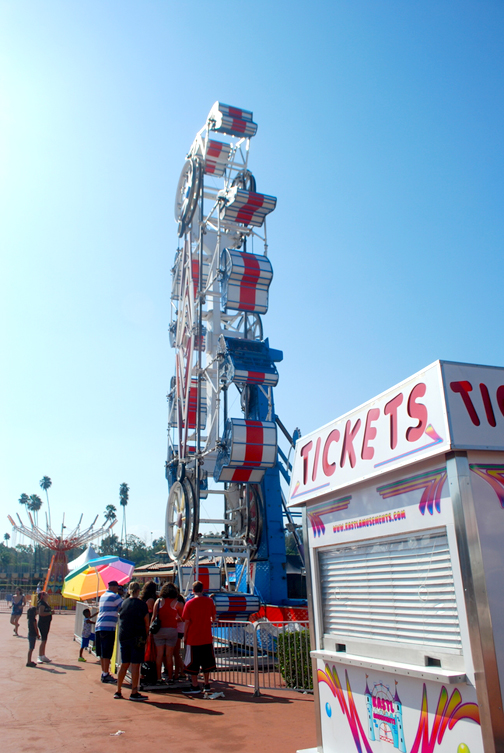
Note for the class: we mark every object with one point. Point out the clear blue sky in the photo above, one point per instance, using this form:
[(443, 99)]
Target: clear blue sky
[(380, 132)]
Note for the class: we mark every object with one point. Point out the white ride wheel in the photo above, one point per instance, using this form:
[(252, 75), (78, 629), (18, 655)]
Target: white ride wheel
[(181, 520), (188, 193), (254, 515), (244, 512)]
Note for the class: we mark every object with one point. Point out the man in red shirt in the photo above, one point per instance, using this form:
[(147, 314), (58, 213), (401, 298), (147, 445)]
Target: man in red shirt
[(198, 615)]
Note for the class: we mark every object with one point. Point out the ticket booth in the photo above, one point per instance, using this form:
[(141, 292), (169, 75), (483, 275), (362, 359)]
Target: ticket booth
[(403, 509)]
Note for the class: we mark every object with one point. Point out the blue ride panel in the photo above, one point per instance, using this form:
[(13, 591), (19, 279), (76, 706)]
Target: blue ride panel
[(270, 560), (246, 362)]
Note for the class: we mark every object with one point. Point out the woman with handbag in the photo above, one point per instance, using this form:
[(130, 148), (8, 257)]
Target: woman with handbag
[(165, 617)]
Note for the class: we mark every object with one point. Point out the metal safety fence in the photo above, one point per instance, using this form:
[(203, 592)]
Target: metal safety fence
[(79, 616), (264, 655), (260, 655)]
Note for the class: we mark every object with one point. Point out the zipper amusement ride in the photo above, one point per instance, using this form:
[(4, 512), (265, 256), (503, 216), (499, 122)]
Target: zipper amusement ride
[(223, 431)]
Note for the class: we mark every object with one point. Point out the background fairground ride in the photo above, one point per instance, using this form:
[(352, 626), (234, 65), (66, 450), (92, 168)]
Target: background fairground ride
[(59, 544), (223, 455)]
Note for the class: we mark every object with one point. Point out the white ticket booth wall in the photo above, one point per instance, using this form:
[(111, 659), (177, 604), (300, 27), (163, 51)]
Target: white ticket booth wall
[(403, 502)]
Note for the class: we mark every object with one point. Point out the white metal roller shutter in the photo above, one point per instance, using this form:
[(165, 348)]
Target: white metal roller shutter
[(398, 589)]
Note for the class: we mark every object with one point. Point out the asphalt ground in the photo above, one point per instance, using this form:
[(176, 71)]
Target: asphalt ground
[(63, 706)]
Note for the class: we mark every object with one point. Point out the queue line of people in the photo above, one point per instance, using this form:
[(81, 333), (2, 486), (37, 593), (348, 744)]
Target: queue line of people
[(143, 616), (166, 618)]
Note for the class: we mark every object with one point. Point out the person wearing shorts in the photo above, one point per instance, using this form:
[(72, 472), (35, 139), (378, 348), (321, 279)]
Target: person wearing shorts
[(105, 626), (18, 602), (169, 611), (87, 632), (133, 628), (44, 612), (33, 634), (198, 615)]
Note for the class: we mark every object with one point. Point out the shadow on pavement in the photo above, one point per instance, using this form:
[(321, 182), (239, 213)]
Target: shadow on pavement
[(247, 696), (168, 706)]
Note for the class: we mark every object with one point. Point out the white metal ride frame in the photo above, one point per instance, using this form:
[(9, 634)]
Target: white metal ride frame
[(217, 208)]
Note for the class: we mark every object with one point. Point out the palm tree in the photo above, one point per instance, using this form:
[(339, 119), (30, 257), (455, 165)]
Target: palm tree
[(123, 501), (6, 538), (45, 484), (34, 504), (24, 499), (110, 513)]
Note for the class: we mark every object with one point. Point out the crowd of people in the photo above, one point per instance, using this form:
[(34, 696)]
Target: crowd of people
[(152, 628), (36, 629)]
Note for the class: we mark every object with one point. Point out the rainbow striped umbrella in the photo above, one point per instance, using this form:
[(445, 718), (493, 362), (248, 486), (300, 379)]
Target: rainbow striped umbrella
[(92, 579)]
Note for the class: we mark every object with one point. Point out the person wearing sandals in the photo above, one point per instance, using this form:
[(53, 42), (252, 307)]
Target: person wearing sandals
[(18, 603), (105, 629), (44, 612), (133, 628), (169, 611), (33, 634)]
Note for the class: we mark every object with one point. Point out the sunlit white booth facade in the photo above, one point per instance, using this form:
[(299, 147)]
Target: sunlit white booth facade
[(403, 502)]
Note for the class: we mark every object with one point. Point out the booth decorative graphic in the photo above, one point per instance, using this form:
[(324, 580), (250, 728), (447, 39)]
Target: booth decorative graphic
[(385, 714)]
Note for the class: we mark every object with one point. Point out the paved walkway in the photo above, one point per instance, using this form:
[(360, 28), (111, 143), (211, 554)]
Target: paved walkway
[(63, 707)]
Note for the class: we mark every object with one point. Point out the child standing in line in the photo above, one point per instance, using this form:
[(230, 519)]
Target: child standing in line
[(87, 631), (33, 634)]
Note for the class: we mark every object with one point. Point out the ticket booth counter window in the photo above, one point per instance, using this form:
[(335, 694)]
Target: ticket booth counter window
[(392, 598)]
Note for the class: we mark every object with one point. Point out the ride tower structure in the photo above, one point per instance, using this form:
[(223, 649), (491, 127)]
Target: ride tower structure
[(60, 544), (220, 288)]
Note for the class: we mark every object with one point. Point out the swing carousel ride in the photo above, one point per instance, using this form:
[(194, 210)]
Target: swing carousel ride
[(59, 544), (220, 288)]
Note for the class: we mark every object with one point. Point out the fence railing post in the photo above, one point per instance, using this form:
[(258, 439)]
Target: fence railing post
[(257, 692)]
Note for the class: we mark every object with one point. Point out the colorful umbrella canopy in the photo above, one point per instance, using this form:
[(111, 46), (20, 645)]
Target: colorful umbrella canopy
[(92, 579)]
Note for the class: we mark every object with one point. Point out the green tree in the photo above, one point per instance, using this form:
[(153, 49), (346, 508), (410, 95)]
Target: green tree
[(290, 541), (6, 538), (6, 556), (123, 501), (110, 514), (24, 557), (34, 504), (45, 484), (110, 545), (158, 545), (137, 550)]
